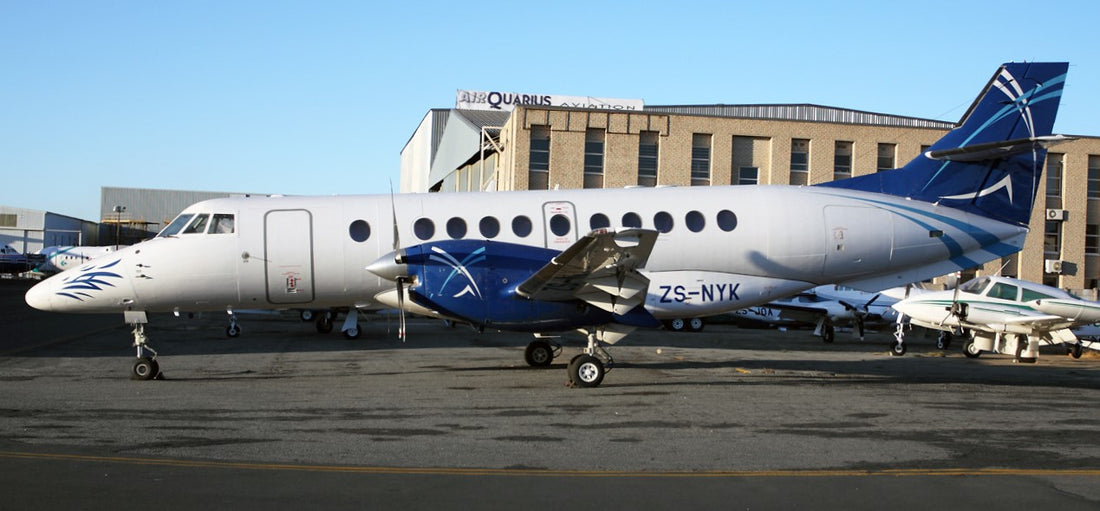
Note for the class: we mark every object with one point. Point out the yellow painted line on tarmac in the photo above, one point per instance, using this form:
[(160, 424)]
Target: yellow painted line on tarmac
[(550, 473)]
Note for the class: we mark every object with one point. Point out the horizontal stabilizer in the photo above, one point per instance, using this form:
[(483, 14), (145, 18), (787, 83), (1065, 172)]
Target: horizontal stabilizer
[(996, 150)]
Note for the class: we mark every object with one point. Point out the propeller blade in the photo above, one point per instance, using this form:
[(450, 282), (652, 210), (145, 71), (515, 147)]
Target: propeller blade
[(401, 308), (872, 300)]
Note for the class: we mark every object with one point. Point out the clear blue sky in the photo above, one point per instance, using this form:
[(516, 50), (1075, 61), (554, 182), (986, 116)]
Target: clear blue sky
[(320, 97)]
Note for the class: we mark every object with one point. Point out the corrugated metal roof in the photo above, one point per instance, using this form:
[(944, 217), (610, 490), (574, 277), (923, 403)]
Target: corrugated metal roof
[(801, 112), (485, 118)]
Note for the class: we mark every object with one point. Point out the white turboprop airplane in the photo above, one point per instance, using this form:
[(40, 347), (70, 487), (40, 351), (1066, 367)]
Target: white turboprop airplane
[(61, 258), (522, 261), (1002, 315)]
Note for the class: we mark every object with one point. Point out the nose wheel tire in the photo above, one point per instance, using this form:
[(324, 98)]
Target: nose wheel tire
[(145, 368), (897, 349), (586, 371)]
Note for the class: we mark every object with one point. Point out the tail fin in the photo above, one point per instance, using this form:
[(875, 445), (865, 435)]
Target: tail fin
[(992, 163)]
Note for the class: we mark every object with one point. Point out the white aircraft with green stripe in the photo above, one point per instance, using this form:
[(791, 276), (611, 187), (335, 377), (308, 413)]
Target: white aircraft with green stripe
[(1001, 315)]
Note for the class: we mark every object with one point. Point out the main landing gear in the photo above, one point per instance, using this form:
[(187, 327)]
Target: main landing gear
[(585, 370)]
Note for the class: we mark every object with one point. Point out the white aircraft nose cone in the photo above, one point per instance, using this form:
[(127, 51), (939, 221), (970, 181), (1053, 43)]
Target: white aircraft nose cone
[(40, 296)]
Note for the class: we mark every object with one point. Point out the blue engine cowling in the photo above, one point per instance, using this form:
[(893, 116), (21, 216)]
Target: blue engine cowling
[(476, 281)]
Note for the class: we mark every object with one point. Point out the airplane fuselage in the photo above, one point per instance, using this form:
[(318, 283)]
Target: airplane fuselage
[(720, 248)]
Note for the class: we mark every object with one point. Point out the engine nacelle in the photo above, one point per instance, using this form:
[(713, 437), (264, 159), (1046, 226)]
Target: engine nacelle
[(476, 281)]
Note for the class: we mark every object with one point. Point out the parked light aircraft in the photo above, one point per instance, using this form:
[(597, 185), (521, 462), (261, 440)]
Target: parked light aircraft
[(1002, 315), (826, 307), (61, 258), (13, 261), (522, 261)]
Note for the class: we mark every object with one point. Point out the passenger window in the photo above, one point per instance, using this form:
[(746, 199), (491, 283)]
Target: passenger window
[(198, 225), (424, 229), (521, 226), (1028, 295), (223, 224), (456, 228), (489, 227), (727, 221), (599, 221), (177, 224), (359, 231), (632, 220), (695, 221), (560, 225), (1003, 291), (662, 221)]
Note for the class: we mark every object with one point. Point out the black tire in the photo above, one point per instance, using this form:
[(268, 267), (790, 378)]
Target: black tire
[(586, 371), (352, 333), (145, 369), (539, 354), (324, 324), (828, 334), (677, 325), (306, 315), (1075, 351), (233, 331), (970, 349), (897, 349), (696, 325), (1020, 343)]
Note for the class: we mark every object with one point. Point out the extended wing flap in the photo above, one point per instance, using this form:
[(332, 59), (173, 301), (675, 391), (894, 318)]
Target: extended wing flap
[(600, 268)]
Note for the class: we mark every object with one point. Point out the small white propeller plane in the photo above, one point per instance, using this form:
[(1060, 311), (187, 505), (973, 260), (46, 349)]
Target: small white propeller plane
[(826, 307), (1001, 315), (602, 262), (60, 258)]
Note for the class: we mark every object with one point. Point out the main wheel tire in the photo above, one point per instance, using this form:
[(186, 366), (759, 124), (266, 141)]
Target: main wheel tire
[(695, 325), (352, 333), (586, 371), (144, 368), (324, 324), (970, 349), (306, 315), (539, 354), (1075, 352), (677, 325), (828, 334)]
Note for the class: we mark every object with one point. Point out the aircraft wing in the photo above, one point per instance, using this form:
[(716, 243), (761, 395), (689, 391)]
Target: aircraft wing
[(601, 268)]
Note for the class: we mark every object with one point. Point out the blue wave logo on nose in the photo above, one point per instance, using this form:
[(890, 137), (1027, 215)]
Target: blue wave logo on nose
[(90, 280)]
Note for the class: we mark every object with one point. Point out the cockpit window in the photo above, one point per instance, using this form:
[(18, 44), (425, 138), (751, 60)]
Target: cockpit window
[(198, 225), (222, 224), (177, 224)]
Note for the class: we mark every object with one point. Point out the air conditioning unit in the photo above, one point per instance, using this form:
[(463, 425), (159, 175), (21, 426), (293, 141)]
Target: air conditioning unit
[(1056, 214), (1053, 265)]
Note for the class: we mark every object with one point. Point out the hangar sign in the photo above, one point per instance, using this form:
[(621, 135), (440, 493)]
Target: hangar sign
[(507, 101)]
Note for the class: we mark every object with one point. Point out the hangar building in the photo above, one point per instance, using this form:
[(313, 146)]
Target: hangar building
[(541, 141)]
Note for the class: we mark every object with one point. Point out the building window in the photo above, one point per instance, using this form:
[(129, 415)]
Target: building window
[(1094, 177), (1054, 180), (1052, 238), (800, 161), (9, 220), (747, 176), (886, 157), (539, 165), (700, 159), (842, 160), (593, 158), (647, 158), (1092, 239)]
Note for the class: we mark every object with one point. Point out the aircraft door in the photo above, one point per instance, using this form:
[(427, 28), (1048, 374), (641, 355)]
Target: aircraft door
[(559, 224), (288, 255)]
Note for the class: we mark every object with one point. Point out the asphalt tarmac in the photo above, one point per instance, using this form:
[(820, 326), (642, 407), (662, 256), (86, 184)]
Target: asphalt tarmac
[(730, 418)]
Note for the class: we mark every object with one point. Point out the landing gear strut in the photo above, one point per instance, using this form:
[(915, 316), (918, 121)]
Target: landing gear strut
[(898, 348), (146, 366), (589, 368)]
